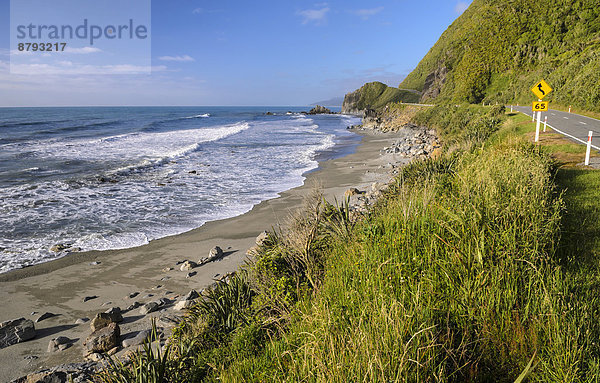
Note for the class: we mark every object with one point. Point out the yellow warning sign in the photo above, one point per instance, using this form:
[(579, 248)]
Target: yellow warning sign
[(541, 89), (540, 106)]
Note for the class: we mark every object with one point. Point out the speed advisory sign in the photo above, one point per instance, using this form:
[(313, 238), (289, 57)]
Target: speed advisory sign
[(540, 106)]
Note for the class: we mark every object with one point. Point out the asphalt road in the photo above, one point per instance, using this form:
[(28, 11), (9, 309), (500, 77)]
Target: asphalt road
[(573, 126)]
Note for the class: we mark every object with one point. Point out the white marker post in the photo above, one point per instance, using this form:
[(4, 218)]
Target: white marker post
[(511, 108), (589, 148), (532, 116), (537, 127), (545, 123), (569, 108)]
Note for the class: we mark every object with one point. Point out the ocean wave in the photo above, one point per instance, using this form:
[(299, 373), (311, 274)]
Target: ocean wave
[(205, 115), (196, 136), (167, 182)]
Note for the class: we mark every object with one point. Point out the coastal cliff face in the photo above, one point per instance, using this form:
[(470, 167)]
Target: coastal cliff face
[(375, 95), (350, 104)]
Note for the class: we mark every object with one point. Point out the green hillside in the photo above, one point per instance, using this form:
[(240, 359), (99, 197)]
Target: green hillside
[(498, 49), (375, 95)]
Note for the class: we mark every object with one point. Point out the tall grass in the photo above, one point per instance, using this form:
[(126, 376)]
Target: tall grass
[(453, 277), (453, 280)]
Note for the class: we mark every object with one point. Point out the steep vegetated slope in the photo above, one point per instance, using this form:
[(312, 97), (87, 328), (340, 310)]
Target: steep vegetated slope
[(498, 49), (375, 95)]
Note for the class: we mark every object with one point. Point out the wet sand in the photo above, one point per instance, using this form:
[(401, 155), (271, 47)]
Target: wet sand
[(60, 286)]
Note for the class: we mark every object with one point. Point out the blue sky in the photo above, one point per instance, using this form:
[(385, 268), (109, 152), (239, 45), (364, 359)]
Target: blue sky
[(249, 53)]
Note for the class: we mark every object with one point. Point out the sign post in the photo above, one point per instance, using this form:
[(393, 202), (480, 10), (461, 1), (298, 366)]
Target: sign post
[(537, 125), (589, 147), (541, 90)]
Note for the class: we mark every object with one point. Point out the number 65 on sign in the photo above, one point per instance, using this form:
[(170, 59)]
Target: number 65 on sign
[(540, 106)]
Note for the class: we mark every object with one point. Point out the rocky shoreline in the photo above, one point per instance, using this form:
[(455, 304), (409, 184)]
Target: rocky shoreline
[(117, 332), (106, 338)]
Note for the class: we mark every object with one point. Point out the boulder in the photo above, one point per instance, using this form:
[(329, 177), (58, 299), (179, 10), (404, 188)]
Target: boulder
[(215, 253), (319, 110), (101, 320), (115, 314), (188, 265), (59, 344), (16, 331), (184, 304), (148, 308), (103, 339), (82, 320), (193, 294), (134, 306), (140, 338), (164, 302)]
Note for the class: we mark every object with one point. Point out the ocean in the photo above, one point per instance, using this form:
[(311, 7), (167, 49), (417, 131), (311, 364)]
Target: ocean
[(118, 177)]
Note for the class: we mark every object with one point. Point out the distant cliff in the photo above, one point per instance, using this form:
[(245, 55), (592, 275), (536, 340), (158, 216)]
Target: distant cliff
[(375, 95)]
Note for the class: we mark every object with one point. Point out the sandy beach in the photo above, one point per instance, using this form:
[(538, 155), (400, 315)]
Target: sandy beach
[(60, 286)]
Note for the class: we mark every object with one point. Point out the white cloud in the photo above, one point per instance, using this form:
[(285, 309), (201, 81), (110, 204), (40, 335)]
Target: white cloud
[(317, 16), (460, 7), (83, 51), (366, 13), (16, 52), (198, 10), (184, 58)]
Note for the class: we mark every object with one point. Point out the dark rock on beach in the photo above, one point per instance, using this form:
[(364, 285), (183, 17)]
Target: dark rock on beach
[(115, 314), (89, 298), (16, 331), (149, 307), (320, 110), (134, 306), (138, 339), (214, 254)]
